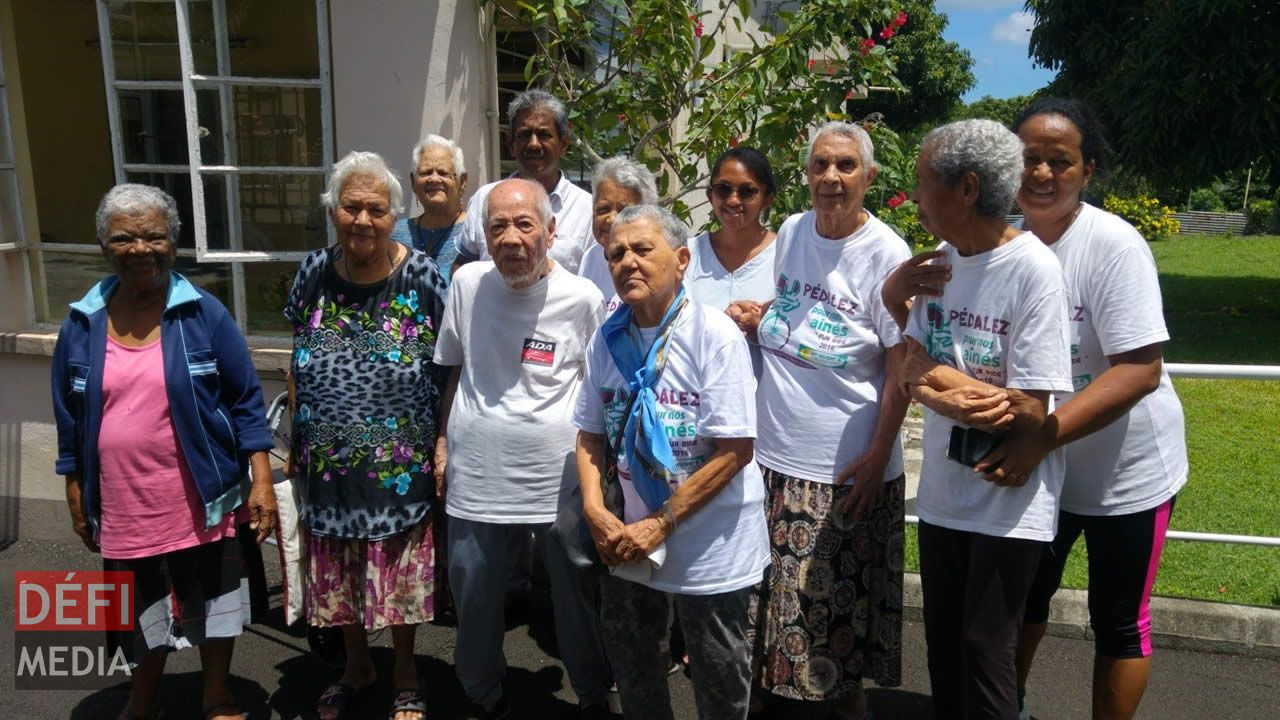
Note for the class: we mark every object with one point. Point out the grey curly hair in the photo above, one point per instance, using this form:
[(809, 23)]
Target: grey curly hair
[(866, 150), (362, 163), (676, 233), (982, 147), (629, 174), (135, 199)]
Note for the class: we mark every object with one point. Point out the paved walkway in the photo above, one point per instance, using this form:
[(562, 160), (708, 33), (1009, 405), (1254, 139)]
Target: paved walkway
[(275, 677)]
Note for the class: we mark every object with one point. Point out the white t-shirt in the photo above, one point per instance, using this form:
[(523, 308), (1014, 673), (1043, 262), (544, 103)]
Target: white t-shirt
[(824, 340), (572, 207), (706, 391), (1140, 460), (596, 269), (523, 355), (1000, 319), (709, 283)]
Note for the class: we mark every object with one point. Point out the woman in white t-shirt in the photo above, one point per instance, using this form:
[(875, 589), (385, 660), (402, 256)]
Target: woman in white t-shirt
[(1121, 423), (666, 420), (997, 330), (830, 612), (735, 261), (617, 182)]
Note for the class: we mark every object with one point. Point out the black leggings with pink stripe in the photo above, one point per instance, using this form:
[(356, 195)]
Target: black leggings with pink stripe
[(1124, 553)]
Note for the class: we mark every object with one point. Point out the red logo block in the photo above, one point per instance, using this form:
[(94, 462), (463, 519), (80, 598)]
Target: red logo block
[(72, 600)]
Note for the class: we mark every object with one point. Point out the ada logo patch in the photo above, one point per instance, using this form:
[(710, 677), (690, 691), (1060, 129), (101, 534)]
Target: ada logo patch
[(538, 352)]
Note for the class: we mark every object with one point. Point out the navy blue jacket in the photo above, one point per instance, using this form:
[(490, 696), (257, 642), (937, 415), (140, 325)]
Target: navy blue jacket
[(212, 387)]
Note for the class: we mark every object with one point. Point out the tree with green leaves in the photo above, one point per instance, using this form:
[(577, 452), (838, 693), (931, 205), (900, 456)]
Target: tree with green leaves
[(1188, 90), (1002, 110), (934, 72), (646, 78)]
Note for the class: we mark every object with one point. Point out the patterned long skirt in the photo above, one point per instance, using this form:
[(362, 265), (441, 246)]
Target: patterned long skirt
[(829, 610), (374, 583)]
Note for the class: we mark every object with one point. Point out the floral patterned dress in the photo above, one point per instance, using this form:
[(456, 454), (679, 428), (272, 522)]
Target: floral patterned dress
[(367, 404)]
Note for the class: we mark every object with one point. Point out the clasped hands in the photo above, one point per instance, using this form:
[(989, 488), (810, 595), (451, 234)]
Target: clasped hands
[(619, 543)]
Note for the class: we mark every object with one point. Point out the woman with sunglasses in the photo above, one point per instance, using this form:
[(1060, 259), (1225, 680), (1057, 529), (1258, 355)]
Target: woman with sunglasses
[(735, 261)]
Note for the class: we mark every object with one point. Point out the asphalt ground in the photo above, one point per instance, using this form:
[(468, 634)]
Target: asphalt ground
[(275, 675)]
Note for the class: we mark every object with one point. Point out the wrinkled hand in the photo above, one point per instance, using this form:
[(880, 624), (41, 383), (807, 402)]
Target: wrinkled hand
[(80, 526), (746, 314), (607, 532), (867, 475), (640, 538), (441, 461), (983, 408), (915, 276), (1010, 464), (262, 508)]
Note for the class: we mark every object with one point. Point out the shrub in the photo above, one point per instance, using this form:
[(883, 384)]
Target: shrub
[(902, 217), (1257, 220), (1154, 221), (1205, 199)]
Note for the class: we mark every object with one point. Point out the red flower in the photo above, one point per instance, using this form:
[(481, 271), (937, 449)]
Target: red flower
[(831, 68), (867, 44), (887, 33), (897, 200), (810, 64), (733, 141), (848, 95), (901, 19), (697, 25), (622, 118)]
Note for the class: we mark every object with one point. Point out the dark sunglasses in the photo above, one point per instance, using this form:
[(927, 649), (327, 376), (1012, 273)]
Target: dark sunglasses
[(724, 191)]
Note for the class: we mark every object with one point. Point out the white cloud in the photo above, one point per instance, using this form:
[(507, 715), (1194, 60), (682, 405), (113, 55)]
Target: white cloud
[(976, 4), (1015, 29)]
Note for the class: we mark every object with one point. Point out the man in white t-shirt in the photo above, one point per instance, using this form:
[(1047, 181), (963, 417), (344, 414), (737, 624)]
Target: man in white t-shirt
[(669, 381), (514, 333), (539, 137)]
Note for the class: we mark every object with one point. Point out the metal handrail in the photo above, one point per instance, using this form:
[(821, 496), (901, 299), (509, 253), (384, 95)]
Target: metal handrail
[(1210, 372)]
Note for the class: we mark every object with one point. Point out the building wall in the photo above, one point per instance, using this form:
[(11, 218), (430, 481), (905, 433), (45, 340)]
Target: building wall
[(422, 68)]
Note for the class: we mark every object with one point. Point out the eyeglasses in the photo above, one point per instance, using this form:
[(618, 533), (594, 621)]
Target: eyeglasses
[(724, 191), (353, 211)]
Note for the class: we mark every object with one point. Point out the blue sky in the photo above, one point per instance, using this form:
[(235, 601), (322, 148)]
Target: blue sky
[(995, 32)]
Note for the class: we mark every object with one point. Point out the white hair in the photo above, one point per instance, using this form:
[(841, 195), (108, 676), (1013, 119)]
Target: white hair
[(136, 199), (676, 233), (431, 140), (629, 174), (540, 200), (533, 100), (362, 163), (866, 151), (982, 147)]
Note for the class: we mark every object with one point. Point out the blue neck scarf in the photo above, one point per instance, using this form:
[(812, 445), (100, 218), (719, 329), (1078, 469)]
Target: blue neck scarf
[(643, 437)]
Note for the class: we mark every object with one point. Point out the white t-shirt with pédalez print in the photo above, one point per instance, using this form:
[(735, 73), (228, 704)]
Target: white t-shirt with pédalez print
[(824, 339), (706, 391), (1001, 319), (1140, 460)]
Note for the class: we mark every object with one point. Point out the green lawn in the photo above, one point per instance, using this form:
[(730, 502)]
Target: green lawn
[(1222, 305)]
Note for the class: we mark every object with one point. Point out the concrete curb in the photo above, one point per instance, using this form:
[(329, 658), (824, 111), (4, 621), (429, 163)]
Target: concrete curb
[(1194, 625)]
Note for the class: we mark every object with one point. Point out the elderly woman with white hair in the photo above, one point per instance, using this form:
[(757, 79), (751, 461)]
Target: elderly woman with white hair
[(439, 180), (984, 357), (618, 182), (366, 404), (666, 421), (160, 417), (830, 611)]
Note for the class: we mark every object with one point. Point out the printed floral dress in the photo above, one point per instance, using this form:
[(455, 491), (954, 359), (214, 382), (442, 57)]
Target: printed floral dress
[(367, 404)]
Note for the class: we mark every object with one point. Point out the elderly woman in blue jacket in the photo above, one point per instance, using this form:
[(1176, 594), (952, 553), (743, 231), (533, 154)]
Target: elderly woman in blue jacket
[(160, 417)]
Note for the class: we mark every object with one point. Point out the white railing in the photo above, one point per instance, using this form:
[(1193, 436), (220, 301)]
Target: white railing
[(1211, 372)]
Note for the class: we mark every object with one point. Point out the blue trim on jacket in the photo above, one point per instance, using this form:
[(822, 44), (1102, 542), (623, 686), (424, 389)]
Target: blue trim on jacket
[(209, 379)]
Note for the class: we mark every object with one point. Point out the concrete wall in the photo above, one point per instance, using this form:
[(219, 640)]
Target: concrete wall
[(422, 68)]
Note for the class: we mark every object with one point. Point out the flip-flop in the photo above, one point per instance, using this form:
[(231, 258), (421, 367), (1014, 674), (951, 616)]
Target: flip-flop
[(408, 700), (341, 696), (228, 708)]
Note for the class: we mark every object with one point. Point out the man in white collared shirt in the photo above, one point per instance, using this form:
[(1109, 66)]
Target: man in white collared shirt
[(539, 138)]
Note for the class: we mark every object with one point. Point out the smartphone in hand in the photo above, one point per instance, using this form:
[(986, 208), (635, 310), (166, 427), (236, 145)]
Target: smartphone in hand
[(969, 445)]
